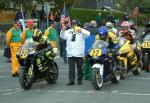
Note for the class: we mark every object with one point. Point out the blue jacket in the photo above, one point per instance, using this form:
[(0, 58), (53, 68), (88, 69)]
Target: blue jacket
[(88, 43)]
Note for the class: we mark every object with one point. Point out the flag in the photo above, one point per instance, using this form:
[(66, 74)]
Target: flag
[(64, 17)]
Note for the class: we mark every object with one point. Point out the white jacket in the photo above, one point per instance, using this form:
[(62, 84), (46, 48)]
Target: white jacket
[(75, 48)]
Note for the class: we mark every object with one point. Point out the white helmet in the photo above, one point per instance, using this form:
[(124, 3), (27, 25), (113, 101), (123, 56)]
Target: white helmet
[(115, 31), (125, 24), (109, 24)]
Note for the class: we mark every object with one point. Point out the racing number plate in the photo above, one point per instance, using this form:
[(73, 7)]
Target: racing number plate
[(23, 53), (95, 53), (146, 44)]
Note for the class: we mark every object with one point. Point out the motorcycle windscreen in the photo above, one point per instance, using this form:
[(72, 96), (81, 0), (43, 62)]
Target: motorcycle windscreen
[(98, 48), (27, 47)]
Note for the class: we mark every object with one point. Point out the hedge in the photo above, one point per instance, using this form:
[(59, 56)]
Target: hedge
[(86, 15)]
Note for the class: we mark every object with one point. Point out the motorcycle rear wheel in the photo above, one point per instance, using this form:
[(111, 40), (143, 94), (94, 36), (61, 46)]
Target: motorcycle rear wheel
[(53, 74)]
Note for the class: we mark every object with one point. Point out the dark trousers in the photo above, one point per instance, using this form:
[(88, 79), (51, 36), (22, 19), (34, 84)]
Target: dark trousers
[(79, 62)]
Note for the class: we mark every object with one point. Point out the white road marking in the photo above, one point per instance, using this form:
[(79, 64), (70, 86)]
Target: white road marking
[(134, 94), (76, 91), (115, 91), (5, 94), (87, 92), (141, 78)]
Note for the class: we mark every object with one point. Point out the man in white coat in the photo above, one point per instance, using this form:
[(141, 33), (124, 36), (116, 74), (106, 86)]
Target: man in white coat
[(75, 46)]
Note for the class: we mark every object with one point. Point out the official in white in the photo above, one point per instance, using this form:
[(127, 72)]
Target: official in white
[(75, 46)]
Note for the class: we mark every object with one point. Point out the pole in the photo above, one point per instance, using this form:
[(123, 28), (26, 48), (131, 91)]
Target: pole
[(22, 20), (47, 14)]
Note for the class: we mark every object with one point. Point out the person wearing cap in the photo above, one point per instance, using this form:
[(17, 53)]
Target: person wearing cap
[(51, 33), (13, 40), (75, 46), (92, 28), (28, 32)]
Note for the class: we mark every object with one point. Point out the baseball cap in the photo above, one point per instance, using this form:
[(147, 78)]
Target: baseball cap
[(30, 22)]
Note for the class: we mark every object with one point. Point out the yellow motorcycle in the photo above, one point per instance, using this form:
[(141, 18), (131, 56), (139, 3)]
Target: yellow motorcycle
[(146, 53), (127, 58)]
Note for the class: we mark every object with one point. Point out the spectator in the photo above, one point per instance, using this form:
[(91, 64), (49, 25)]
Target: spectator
[(35, 13), (28, 32), (75, 42), (19, 15), (51, 33), (64, 52), (43, 19), (99, 19), (13, 40), (88, 44), (7, 51)]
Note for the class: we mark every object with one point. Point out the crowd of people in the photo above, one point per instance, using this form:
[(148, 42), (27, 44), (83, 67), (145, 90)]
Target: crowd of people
[(77, 40)]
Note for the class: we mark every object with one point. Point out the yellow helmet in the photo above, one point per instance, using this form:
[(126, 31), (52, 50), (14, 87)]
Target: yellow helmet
[(37, 34)]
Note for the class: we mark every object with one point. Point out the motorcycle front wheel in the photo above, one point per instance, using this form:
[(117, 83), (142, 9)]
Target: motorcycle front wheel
[(26, 78), (97, 79), (124, 70)]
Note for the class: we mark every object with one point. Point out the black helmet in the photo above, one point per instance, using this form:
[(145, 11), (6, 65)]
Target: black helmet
[(37, 35)]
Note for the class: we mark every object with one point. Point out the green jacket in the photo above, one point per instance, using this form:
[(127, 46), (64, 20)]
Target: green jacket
[(51, 33)]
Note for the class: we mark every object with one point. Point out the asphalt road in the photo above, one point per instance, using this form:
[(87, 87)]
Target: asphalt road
[(134, 89)]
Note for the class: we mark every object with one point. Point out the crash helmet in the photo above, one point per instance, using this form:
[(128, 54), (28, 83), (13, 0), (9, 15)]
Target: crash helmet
[(37, 35), (125, 25), (103, 32), (109, 25)]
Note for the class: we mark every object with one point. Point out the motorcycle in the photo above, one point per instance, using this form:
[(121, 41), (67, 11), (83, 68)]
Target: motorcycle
[(127, 58), (103, 65), (35, 67), (146, 53)]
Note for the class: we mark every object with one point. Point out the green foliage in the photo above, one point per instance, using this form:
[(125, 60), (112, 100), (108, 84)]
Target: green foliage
[(86, 15)]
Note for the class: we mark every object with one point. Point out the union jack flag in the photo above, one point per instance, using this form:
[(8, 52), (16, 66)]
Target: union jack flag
[(64, 17)]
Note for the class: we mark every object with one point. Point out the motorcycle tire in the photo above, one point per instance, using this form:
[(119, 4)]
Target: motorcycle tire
[(116, 77), (124, 70), (146, 63), (137, 70), (97, 79), (25, 82), (53, 76)]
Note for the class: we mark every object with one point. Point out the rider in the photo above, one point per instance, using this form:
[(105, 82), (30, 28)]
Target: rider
[(108, 36), (43, 44), (111, 38), (111, 28), (127, 32)]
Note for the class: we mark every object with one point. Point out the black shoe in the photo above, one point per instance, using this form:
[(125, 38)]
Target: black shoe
[(70, 83), (80, 83), (15, 75)]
